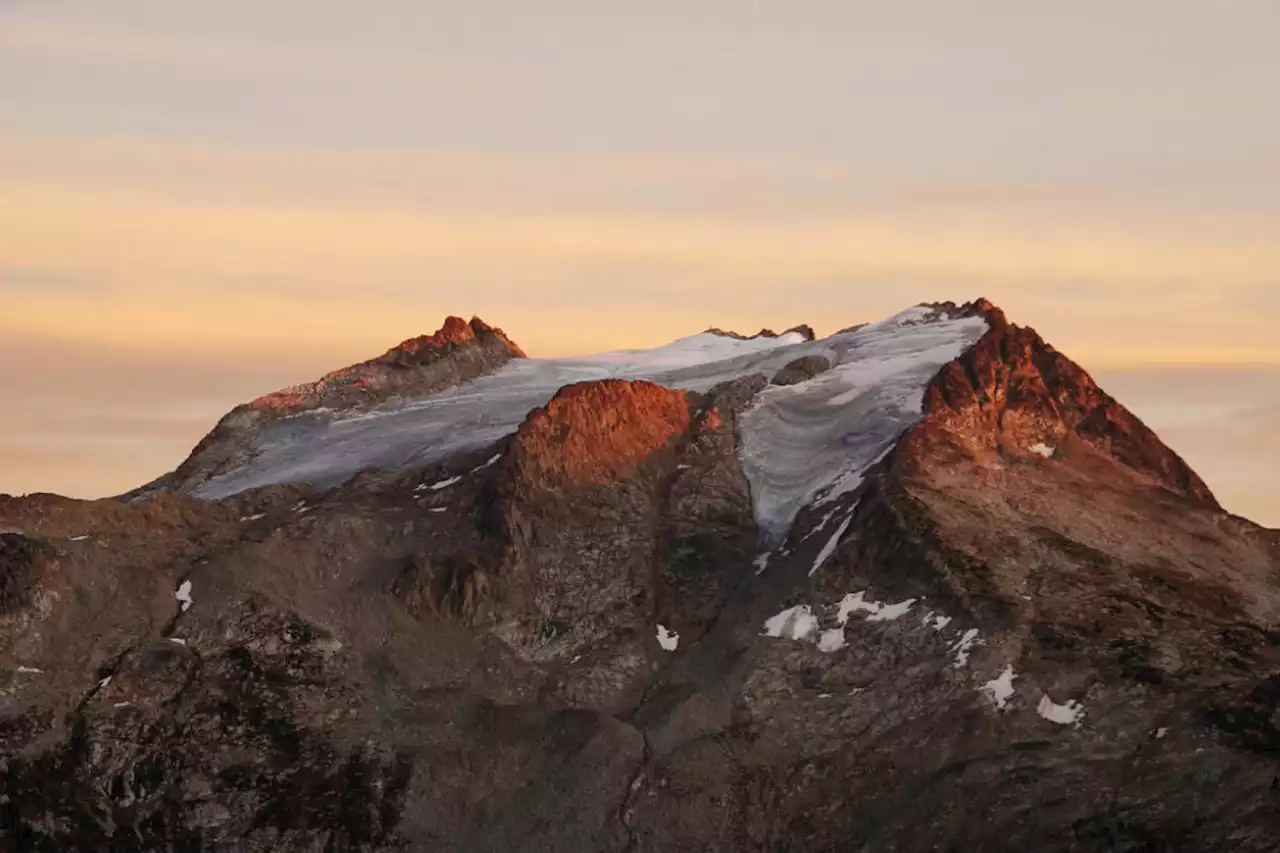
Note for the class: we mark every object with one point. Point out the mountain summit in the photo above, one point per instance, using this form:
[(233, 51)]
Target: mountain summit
[(917, 586)]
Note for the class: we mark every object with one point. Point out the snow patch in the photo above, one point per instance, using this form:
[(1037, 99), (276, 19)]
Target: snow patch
[(257, 517), (1043, 449), (438, 509), (794, 623), (832, 640), (122, 705), (104, 682), (940, 622), (178, 640), (1069, 714), (762, 562), (892, 612), (183, 595), (444, 484), (1162, 733), (78, 538), (493, 460), (962, 647), (832, 544), (1000, 688), (817, 528), (857, 603), (854, 603), (30, 669), (326, 449), (850, 481), (669, 640)]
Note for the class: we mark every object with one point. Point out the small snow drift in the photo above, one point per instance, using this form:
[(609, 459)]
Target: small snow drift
[(1069, 714), (832, 543), (668, 640), (444, 484), (492, 460), (962, 647), (1000, 688), (857, 603), (832, 640), (794, 623), (183, 595)]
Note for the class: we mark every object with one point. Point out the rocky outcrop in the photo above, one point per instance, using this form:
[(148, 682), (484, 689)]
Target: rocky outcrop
[(595, 433), (802, 370), (805, 331)]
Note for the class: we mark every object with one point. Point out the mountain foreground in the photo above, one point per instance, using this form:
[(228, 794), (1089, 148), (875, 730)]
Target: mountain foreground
[(917, 586)]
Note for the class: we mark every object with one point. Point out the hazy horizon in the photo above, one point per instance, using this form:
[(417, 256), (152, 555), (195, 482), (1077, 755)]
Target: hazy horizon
[(200, 204)]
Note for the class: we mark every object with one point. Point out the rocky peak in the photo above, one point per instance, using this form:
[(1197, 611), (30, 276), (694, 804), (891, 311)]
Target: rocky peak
[(455, 332), (399, 369), (1012, 389), (805, 331)]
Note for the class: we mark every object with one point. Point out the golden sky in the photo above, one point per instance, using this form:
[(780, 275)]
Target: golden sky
[(201, 203)]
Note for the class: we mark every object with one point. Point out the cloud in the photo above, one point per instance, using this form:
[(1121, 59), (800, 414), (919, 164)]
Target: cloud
[(27, 280), (265, 274)]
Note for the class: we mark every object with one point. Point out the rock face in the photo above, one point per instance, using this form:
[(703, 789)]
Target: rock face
[(1014, 389), (1026, 625), (802, 370)]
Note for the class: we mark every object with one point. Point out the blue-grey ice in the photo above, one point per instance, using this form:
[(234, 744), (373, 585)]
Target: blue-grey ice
[(800, 443)]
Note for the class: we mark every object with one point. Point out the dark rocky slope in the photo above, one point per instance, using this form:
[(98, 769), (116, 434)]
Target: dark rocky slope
[(478, 656)]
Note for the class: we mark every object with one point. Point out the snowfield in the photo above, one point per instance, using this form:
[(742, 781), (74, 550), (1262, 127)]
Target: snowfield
[(326, 448), (814, 440)]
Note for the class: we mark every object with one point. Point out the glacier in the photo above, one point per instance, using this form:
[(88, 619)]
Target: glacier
[(804, 443), (814, 441), (325, 448)]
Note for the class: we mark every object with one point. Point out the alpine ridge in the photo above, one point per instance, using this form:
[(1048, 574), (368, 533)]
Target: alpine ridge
[(920, 585)]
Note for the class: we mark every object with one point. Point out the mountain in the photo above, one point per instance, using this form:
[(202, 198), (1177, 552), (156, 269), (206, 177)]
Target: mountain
[(917, 586)]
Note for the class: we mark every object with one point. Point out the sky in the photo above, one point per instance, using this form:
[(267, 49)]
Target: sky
[(203, 202)]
